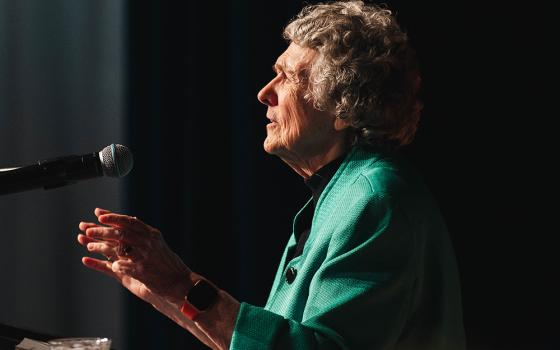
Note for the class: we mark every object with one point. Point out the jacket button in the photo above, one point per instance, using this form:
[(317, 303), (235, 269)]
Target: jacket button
[(291, 275)]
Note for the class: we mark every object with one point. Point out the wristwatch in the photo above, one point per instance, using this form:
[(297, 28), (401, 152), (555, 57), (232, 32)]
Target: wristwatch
[(199, 298)]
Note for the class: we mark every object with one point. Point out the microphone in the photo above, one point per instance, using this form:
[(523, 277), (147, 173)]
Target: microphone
[(114, 161)]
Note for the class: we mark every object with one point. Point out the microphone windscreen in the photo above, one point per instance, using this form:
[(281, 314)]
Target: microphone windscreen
[(116, 160)]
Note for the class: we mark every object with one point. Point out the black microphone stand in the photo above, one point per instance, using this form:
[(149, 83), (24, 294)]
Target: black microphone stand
[(50, 173)]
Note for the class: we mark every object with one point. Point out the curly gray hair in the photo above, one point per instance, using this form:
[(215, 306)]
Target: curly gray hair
[(366, 71)]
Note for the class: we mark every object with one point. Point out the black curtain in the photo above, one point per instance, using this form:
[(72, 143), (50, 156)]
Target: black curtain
[(61, 93), (196, 130)]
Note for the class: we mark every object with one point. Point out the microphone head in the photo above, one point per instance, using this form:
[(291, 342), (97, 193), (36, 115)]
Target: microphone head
[(116, 160)]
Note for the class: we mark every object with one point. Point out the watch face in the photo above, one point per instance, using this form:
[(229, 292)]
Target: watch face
[(202, 295)]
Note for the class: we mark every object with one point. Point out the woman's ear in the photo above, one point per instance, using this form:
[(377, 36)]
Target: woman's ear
[(341, 123)]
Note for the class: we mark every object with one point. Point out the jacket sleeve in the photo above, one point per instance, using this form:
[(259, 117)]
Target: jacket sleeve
[(359, 297)]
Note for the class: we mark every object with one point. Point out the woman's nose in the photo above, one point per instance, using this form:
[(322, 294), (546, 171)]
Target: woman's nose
[(268, 95)]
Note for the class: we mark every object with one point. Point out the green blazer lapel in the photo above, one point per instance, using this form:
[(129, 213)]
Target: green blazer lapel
[(289, 247)]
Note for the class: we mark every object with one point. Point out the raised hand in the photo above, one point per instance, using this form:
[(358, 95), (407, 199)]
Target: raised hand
[(136, 255)]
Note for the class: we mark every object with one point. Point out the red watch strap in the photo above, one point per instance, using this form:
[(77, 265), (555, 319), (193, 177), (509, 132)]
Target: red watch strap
[(200, 297), (190, 311)]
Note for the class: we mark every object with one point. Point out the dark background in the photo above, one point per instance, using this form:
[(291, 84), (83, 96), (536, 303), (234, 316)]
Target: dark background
[(192, 72)]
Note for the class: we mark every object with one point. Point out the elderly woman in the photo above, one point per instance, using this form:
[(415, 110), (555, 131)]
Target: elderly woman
[(369, 264)]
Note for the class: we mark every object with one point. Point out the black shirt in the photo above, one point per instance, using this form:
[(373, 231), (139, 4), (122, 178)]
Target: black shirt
[(316, 183)]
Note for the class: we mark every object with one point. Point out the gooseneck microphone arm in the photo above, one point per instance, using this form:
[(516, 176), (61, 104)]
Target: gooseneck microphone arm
[(113, 161)]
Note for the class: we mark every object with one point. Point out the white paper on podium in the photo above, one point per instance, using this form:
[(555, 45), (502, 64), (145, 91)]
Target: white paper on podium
[(30, 344)]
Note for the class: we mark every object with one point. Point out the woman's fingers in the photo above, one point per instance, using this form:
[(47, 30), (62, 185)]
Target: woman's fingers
[(101, 248), (85, 225), (101, 211), (114, 234), (125, 221), (118, 269), (134, 247), (105, 233), (106, 248), (124, 267), (100, 265), (84, 240)]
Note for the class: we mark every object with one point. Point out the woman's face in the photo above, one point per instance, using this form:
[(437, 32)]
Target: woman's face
[(296, 130)]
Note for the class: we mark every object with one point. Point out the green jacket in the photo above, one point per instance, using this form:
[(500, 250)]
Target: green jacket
[(377, 271)]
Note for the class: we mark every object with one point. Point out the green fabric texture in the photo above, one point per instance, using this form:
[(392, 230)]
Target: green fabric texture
[(377, 271)]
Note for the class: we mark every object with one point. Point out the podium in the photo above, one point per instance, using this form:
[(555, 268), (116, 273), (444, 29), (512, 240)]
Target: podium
[(10, 336)]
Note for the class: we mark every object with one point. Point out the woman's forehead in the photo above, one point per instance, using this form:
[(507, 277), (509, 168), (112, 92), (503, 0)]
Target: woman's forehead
[(295, 58)]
